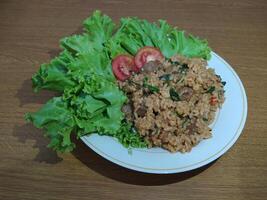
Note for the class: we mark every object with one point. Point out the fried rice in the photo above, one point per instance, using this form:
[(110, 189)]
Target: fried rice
[(173, 102)]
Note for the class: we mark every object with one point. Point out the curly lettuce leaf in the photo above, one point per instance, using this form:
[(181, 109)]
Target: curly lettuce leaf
[(54, 76), (190, 45), (57, 120), (93, 62), (99, 28), (77, 44), (97, 104), (127, 136), (135, 34)]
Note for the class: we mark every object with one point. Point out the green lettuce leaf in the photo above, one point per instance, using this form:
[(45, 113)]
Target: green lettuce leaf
[(127, 136), (57, 120), (77, 44), (96, 102), (135, 34), (53, 76), (88, 63), (99, 28)]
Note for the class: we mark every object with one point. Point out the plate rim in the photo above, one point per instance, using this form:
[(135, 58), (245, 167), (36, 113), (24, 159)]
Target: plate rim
[(197, 164)]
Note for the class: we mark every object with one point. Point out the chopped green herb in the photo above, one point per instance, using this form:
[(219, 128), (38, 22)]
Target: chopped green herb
[(151, 88), (219, 77), (172, 62), (183, 68), (211, 89), (185, 65), (174, 95), (145, 79), (185, 122), (166, 77), (180, 81), (178, 115), (205, 119), (175, 63), (131, 82)]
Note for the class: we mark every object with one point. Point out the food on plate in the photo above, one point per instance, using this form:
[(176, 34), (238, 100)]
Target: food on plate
[(173, 103), (94, 67)]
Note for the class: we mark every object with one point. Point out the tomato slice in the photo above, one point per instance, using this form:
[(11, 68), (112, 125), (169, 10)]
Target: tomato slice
[(122, 66), (146, 54)]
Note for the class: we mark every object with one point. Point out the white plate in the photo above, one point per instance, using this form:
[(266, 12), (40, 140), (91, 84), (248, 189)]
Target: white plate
[(226, 129)]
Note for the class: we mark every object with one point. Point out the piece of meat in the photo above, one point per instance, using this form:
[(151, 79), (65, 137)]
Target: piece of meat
[(151, 66), (128, 111), (186, 93), (192, 127), (141, 111)]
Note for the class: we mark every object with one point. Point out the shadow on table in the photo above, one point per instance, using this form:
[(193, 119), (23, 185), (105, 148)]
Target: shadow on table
[(113, 171), (25, 94), (55, 52), (25, 132), (28, 132)]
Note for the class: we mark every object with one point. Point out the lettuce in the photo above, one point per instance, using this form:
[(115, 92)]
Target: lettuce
[(53, 76), (135, 34), (99, 28), (57, 120)]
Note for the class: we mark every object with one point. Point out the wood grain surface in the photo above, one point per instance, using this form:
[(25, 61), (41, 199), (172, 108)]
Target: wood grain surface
[(29, 35)]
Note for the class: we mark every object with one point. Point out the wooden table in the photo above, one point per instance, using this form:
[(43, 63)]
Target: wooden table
[(29, 35)]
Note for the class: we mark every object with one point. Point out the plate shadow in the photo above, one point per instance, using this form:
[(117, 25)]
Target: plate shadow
[(113, 171)]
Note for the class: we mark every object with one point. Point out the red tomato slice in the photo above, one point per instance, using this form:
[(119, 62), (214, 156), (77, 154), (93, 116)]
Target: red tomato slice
[(146, 54), (122, 66)]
